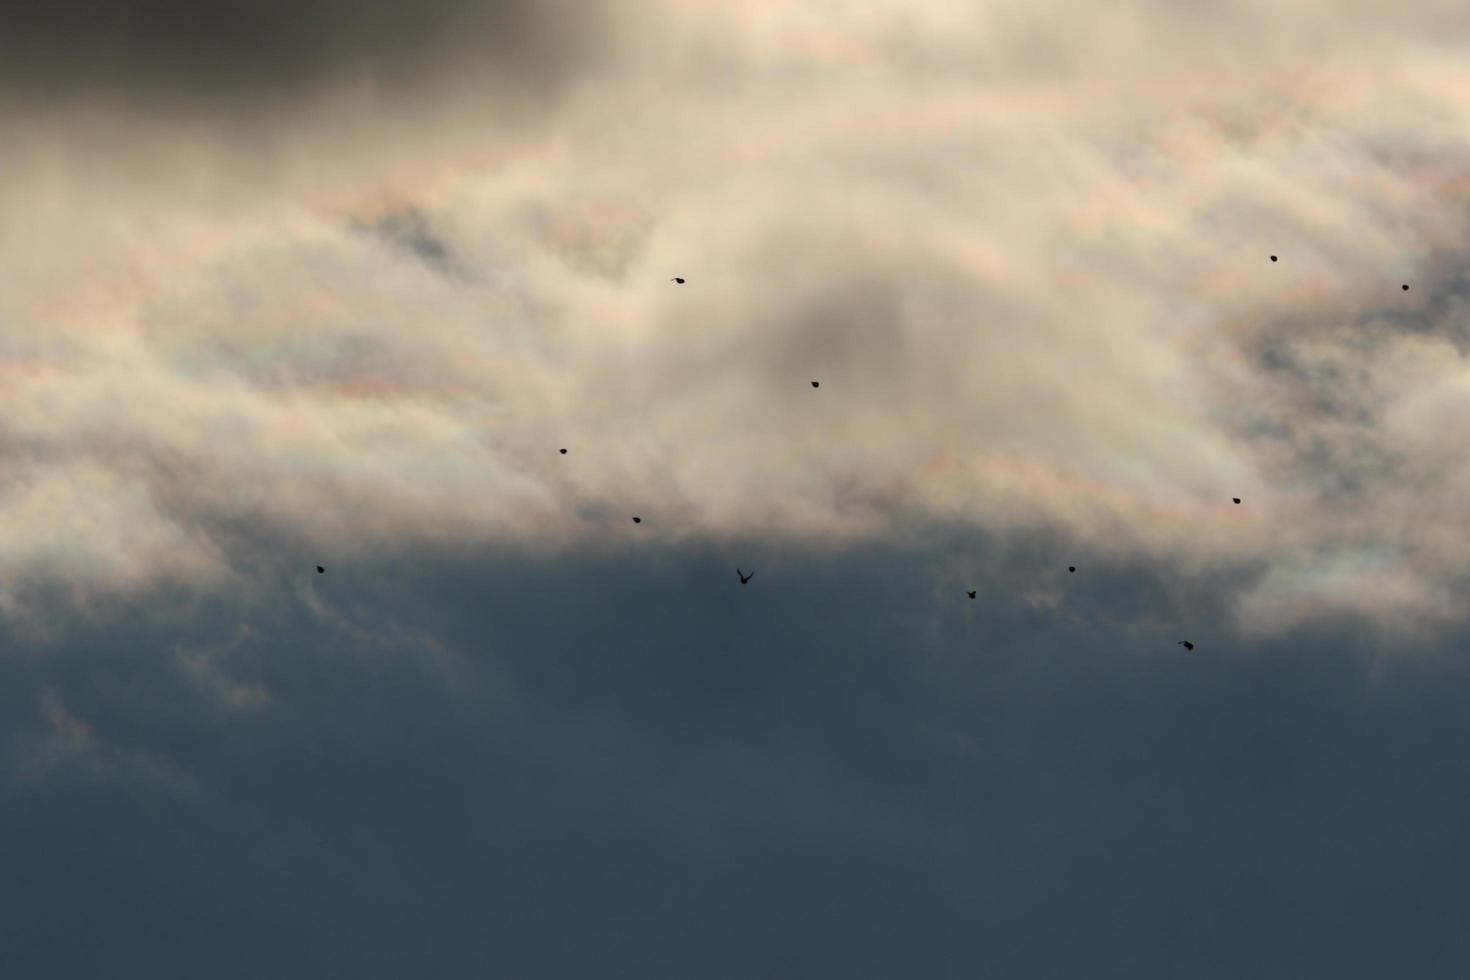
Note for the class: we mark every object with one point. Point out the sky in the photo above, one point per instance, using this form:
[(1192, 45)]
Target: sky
[(289, 284)]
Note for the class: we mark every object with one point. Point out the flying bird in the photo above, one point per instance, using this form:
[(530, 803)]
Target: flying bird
[(1236, 499), (678, 279), (743, 577), (1273, 258), (816, 385), (1406, 287), (563, 452), (320, 570), (1186, 644), (1071, 568), (971, 594), (637, 520)]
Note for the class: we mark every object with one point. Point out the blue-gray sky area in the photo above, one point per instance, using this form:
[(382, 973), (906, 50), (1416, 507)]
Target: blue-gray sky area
[(330, 283)]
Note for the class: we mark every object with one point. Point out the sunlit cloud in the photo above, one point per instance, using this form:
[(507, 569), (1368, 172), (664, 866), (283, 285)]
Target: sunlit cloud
[(1027, 263)]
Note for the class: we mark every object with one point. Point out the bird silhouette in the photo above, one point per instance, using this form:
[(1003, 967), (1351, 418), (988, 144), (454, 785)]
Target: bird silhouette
[(816, 385), (637, 520), (971, 594), (1071, 568), (1406, 287), (1236, 499), (1186, 644), (1273, 258), (743, 577), (678, 279), (320, 570), (563, 452)]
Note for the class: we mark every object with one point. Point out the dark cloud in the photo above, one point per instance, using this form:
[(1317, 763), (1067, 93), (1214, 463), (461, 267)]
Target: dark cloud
[(410, 229), (1438, 308), (248, 50), (556, 768)]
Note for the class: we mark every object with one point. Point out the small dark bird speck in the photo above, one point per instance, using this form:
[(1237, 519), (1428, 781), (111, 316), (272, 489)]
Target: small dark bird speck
[(637, 520), (970, 594), (1186, 644), (320, 570), (1406, 287), (679, 280), (1273, 258), (1236, 499), (743, 577), (1071, 568), (563, 452), (816, 385)]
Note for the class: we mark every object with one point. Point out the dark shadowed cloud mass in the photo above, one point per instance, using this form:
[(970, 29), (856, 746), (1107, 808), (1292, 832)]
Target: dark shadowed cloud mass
[(385, 289), (559, 768), (243, 51)]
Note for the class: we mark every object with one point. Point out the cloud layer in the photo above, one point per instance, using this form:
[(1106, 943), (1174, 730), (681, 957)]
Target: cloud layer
[(1028, 266), (553, 768), (332, 284)]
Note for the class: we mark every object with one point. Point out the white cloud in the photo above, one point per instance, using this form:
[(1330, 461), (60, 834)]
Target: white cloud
[(1022, 247)]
